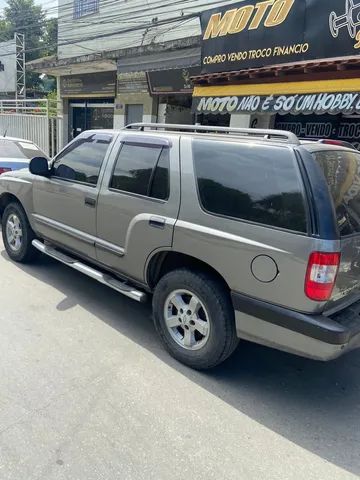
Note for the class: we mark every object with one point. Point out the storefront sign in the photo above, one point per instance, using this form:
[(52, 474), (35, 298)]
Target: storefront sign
[(101, 83), (172, 81), (332, 103), (259, 33), (132, 82), (322, 126)]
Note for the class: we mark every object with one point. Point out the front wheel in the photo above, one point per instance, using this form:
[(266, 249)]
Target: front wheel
[(17, 234), (194, 317)]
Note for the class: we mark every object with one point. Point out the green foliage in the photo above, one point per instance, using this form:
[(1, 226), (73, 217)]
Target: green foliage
[(50, 37), (50, 102), (24, 16)]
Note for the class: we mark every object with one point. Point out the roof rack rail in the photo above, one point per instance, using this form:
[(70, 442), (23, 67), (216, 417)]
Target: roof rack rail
[(266, 134)]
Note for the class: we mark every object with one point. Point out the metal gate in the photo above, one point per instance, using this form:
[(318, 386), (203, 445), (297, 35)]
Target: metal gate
[(34, 120)]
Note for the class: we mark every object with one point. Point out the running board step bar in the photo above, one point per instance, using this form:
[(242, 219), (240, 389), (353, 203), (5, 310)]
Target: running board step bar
[(91, 272)]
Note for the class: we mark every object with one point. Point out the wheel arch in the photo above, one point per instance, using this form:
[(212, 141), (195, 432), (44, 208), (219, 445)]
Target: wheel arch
[(5, 199), (164, 262)]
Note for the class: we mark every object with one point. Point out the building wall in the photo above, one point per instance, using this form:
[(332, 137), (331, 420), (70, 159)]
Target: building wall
[(149, 104), (116, 16), (177, 114)]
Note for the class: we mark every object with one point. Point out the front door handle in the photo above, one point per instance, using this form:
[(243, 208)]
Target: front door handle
[(90, 202), (157, 222)]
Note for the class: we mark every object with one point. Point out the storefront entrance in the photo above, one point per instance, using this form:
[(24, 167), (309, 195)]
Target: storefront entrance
[(91, 114)]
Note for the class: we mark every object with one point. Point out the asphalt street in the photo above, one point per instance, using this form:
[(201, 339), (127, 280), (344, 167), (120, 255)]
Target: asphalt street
[(88, 393)]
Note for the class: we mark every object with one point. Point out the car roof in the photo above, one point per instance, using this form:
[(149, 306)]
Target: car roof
[(231, 136), (318, 147)]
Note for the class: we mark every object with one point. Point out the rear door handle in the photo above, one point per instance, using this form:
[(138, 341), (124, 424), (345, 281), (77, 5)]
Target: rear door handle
[(90, 202), (157, 222)]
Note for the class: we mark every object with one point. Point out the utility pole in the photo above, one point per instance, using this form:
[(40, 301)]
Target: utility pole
[(20, 66)]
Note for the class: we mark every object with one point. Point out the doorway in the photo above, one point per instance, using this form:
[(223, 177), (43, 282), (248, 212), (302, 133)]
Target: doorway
[(134, 114), (90, 115)]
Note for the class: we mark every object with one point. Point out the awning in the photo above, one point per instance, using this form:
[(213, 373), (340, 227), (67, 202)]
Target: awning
[(321, 96), (182, 58)]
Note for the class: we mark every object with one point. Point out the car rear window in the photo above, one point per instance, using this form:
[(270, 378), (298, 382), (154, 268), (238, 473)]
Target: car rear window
[(258, 184), (342, 173), (19, 150)]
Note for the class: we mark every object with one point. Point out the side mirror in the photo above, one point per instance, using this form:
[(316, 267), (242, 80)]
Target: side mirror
[(39, 166)]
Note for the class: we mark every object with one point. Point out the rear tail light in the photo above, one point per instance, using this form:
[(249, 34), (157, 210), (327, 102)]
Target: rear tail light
[(3, 170), (339, 143), (321, 275), (332, 142)]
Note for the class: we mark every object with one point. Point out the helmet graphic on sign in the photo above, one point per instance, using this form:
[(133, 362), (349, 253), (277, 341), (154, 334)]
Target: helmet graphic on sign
[(350, 19)]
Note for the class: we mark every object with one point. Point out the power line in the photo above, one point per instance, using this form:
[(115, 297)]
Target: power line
[(126, 11), (119, 32), (130, 29), (110, 19), (143, 26)]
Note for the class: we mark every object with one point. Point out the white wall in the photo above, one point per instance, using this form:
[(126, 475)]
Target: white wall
[(117, 15), (8, 60)]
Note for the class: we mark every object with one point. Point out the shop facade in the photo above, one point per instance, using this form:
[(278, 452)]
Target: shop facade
[(306, 81), (88, 101), (157, 87), (115, 88)]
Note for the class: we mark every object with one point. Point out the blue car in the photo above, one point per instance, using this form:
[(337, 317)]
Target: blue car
[(16, 153)]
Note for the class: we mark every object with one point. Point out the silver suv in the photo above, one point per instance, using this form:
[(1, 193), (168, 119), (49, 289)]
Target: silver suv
[(236, 233)]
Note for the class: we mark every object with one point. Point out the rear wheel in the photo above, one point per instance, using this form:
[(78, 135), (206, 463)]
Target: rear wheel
[(17, 234), (194, 317)]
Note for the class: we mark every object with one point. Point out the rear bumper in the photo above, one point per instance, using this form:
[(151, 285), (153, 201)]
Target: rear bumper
[(312, 336)]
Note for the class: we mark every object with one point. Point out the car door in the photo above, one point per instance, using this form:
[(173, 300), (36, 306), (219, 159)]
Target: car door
[(65, 203), (138, 202)]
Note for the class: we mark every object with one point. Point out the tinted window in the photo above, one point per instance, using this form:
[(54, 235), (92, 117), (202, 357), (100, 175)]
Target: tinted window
[(143, 170), (342, 173), (19, 150), (82, 160), (256, 184), (160, 183)]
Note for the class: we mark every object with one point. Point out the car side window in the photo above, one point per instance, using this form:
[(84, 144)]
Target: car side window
[(143, 170), (341, 170), (260, 185), (82, 160)]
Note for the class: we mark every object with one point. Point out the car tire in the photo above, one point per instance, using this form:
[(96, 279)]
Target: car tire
[(17, 234), (205, 334)]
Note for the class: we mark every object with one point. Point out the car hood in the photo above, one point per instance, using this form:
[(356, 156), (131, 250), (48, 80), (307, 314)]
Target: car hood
[(14, 160), (22, 174)]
